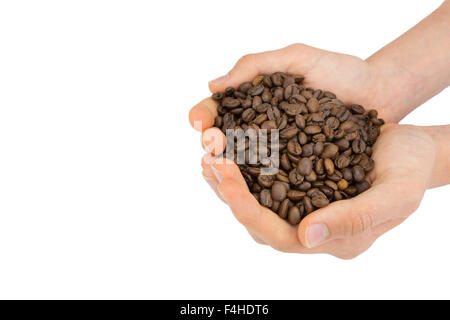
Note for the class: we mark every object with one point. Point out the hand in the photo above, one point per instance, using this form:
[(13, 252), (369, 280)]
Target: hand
[(404, 158), (349, 231)]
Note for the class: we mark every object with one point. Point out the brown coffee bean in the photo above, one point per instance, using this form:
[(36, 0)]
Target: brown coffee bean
[(278, 191), (268, 125), (305, 166), (358, 146), (295, 195), (331, 184), (294, 148), (358, 173), (319, 167), (342, 161), (308, 205), (307, 150), (295, 177), (362, 186), (288, 133), (248, 115), (312, 130), (284, 208), (342, 184), (330, 151), (231, 103), (319, 201), (294, 215), (312, 105), (329, 165), (304, 186), (300, 121), (265, 198), (265, 181)]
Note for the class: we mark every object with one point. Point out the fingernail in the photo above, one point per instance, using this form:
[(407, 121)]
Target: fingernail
[(218, 175), (221, 79), (316, 234), (221, 194)]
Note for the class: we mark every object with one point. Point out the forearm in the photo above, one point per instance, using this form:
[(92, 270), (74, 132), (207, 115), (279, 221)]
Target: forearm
[(416, 66), (441, 170)]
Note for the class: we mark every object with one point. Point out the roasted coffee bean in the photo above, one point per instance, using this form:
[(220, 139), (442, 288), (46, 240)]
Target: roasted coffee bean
[(295, 195), (308, 205), (323, 146), (302, 138), (288, 133), (330, 151), (329, 166), (304, 186), (342, 184), (358, 146), (342, 161), (278, 191), (308, 150), (305, 166), (312, 130), (230, 103), (294, 215), (358, 173), (313, 105), (294, 148), (362, 186), (319, 201), (265, 198), (265, 181), (295, 178), (248, 115), (284, 208), (244, 87), (300, 121)]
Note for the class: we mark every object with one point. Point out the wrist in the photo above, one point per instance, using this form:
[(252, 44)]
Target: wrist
[(440, 135), (392, 88)]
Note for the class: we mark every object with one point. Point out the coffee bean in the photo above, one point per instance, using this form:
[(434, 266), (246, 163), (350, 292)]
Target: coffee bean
[(265, 181), (319, 201), (295, 178), (342, 161), (358, 173), (329, 165), (295, 195), (312, 129), (313, 105), (278, 191), (294, 148), (284, 208), (265, 198), (358, 146), (342, 184), (305, 166), (362, 186), (294, 215), (330, 151), (288, 133), (300, 121), (230, 103)]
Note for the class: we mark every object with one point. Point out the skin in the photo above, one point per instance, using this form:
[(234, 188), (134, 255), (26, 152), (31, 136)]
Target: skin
[(394, 81)]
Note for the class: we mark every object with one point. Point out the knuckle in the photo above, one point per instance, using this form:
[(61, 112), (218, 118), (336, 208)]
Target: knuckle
[(246, 59), (359, 223), (296, 46)]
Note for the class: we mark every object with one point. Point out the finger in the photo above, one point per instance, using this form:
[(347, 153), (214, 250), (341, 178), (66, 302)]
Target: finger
[(247, 210), (202, 115), (349, 218), (256, 238), (208, 174), (251, 65), (213, 141)]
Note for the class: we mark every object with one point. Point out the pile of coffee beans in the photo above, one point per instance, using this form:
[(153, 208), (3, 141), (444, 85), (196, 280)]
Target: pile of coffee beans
[(325, 146)]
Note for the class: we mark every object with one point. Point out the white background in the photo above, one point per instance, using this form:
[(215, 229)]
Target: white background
[(101, 193)]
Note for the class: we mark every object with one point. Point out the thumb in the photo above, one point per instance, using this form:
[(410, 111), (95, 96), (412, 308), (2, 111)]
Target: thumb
[(252, 65), (348, 218)]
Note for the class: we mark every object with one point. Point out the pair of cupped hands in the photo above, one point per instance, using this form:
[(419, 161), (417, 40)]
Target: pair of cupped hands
[(404, 157)]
